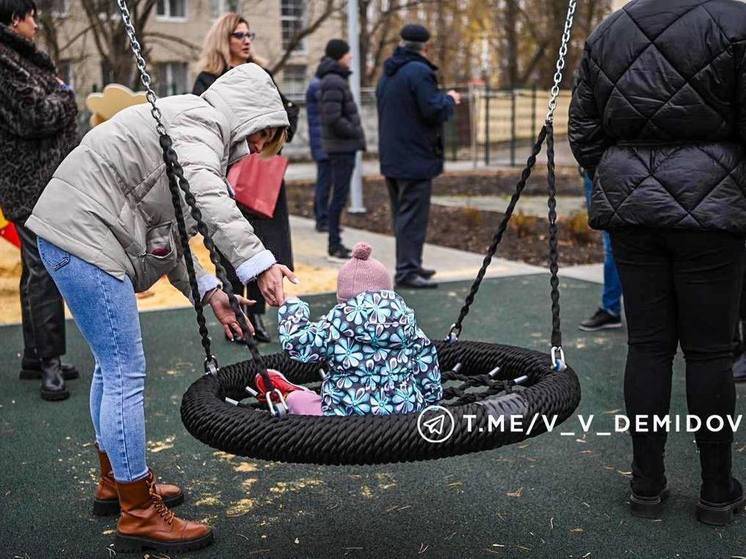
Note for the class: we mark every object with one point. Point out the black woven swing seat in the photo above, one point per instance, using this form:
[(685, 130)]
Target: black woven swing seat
[(253, 432)]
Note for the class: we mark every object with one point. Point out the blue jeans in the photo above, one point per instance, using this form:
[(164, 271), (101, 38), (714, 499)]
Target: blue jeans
[(105, 311), (321, 192), (612, 294)]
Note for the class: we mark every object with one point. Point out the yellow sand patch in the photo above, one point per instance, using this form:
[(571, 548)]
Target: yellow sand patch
[(162, 295)]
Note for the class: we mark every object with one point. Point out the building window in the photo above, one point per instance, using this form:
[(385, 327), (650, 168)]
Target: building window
[(65, 71), (172, 78), (292, 19), (294, 79), (220, 7), (171, 9)]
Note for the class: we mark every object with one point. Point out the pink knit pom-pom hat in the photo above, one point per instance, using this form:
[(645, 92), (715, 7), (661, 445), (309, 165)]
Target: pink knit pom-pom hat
[(361, 273)]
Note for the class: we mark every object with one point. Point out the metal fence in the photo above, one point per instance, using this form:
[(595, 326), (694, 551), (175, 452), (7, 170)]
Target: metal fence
[(488, 123)]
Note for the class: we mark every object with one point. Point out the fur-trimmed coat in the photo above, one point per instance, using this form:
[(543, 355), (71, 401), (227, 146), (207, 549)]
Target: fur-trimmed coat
[(37, 123)]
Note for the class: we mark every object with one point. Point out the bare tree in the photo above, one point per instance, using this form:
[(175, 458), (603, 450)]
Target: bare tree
[(109, 36), (316, 13), (57, 46)]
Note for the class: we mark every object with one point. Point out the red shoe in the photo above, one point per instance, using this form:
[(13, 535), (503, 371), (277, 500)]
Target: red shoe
[(280, 383)]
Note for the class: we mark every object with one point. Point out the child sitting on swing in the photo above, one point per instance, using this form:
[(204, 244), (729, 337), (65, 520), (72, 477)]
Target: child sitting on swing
[(379, 362)]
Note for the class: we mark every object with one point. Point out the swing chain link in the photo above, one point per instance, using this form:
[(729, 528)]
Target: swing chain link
[(555, 91), (141, 66)]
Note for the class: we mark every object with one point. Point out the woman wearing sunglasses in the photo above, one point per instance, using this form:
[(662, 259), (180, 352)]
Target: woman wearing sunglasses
[(229, 44)]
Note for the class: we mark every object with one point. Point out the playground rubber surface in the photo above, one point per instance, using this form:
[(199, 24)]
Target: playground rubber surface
[(552, 496)]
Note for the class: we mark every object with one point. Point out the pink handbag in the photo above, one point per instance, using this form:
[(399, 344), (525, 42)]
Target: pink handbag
[(256, 182)]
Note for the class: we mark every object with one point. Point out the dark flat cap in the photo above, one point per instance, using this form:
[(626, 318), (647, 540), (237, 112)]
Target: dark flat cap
[(415, 33)]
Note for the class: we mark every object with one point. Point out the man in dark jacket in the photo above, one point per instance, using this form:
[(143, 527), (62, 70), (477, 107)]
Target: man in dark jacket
[(37, 130), (411, 114), (323, 166), (341, 133), (658, 118)]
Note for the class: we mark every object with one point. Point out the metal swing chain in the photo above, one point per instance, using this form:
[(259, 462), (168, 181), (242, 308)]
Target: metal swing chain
[(557, 353), (546, 132), (177, 181), (566, 34), (211, 363)]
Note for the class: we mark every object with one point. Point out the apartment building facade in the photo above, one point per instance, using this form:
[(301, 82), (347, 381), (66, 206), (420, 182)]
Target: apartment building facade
[(175, 34)]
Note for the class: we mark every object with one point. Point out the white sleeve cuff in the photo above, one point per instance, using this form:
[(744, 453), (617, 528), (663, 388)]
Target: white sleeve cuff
[(255, 266), (207, 283)]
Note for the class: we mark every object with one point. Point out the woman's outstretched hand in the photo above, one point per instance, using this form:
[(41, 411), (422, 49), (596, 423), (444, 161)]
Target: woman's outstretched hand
[(270, 283), (221, 306)]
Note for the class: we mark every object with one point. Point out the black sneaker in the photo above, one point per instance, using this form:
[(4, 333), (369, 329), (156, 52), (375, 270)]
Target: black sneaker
[(601, 320), (339, 252)]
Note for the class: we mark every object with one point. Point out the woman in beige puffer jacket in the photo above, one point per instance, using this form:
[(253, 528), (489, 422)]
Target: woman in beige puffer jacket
[(107, 229)]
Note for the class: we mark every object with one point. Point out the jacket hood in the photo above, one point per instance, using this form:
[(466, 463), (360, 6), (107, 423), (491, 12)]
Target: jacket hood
[(248, 98), (331, 66), (392, 324), (401, 58)]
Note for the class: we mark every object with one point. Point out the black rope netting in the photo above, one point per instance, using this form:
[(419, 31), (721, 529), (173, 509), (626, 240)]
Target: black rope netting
[(249, 430)]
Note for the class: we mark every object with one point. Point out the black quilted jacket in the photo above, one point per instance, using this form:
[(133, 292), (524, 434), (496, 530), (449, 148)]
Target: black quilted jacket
[(37, 124), (659, 113), (341, 130)]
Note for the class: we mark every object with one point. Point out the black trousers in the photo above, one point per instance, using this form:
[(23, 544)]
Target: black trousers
[(410, 211), (680, 287), (274, 233), (342, 167), (42, 307)]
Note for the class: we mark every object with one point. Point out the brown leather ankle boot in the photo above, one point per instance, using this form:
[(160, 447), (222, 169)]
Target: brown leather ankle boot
[(146, 522), (106, 499)]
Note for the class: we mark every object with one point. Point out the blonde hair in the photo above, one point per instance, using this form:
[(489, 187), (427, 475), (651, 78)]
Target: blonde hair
[(274, 144), (216, 51)]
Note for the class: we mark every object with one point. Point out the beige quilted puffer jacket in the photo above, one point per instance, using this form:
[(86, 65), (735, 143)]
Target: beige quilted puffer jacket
[(109, 204)]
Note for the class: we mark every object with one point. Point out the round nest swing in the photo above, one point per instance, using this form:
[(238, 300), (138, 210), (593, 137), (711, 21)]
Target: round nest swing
[(253, 432), (495, 394)]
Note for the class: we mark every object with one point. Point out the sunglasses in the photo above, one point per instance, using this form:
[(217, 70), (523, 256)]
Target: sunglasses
[(240, 35)]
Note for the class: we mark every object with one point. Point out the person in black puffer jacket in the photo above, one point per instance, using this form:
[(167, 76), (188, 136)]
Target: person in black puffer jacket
[(342, 134), (659, 119), (37, 130)]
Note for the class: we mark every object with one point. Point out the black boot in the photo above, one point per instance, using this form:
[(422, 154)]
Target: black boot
[(649, 487), (721, 496), (52, 383), (261, 334), (31, 370)]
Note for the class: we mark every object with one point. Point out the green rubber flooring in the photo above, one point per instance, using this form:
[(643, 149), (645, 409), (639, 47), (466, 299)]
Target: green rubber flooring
[(553, 496)]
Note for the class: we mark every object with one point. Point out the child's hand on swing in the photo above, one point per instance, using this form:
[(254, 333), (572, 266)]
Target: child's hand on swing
[(221, 306)]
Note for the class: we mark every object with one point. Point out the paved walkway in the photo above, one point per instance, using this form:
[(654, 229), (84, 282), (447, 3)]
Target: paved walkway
[(498, 159), (317, 273), (309, 248)]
